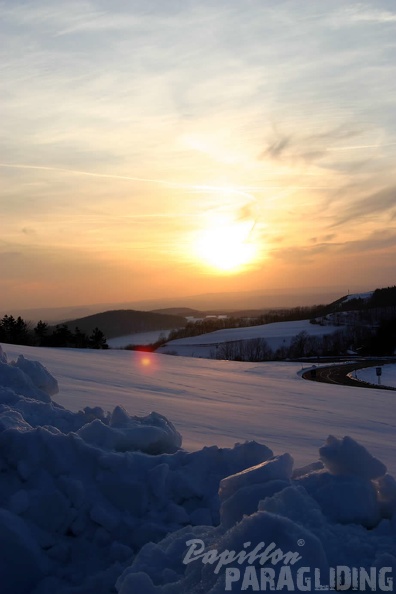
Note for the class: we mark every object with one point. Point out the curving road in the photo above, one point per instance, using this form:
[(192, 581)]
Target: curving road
[(338, 374)]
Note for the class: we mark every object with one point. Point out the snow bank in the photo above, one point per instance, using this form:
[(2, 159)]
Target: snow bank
[(319, 529), (94, 503), (369, 375)]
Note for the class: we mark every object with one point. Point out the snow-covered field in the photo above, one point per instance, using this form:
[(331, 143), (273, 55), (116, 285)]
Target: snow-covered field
[(98, 503), (138, 338), (276, 335), (388, 376), (223, 402)]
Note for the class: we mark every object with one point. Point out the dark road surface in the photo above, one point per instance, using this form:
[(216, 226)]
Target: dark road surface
[(338, 374)]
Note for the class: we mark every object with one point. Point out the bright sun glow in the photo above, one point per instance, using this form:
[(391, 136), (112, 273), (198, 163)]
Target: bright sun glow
[(225, 244)]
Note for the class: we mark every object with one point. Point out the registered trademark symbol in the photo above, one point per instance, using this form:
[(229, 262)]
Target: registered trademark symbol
[(301, 542)]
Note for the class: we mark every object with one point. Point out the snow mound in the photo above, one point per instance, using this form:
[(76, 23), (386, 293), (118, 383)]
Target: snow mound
[(28, 378), (96, 503), (153, 434)]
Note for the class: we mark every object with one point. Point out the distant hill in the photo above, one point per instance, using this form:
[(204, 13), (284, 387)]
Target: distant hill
[(380, 298), (126, 321), (178, 311), (196, 313)]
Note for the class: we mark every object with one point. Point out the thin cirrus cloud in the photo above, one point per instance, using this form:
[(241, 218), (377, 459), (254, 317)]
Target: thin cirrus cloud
[(382, 202)]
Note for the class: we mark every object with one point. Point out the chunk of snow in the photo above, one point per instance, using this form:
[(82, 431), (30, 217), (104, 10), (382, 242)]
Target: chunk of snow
[(245, 501), (11, 376), (279, 468), (38, 374), (346, 456), (152, 434), (22, 563)]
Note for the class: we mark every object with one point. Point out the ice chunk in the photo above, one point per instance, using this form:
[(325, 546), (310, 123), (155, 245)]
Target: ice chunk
[(107, 518), (245, 501), (16, 379), (38, 374), (50, 510), (22, 563), (119, 417), (136, 582), (3, 356), (296, 504), (146, 439), (386, 492), (344, 499), (346, 456), (12, 419), (279, 468), (19, 501), (153, 434)]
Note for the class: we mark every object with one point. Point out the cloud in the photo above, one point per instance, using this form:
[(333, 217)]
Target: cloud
[(379, 241), (28, 231), (276, 147), (361, 14), (68, 18), (377, 203), (308, 148), (301, 255)]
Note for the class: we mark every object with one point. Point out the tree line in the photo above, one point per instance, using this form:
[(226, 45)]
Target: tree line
[(18, 331)]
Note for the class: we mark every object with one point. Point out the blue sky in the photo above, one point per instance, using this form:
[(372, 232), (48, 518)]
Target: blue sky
[(131, 130)]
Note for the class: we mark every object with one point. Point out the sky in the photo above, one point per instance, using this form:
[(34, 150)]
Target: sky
[(162, 148)]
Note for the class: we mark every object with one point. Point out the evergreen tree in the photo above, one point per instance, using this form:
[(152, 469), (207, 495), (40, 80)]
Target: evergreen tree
[(97, 340), (7, 326), (61, 337), (41, 332), (14, 331), (22, 332), (80, 339)]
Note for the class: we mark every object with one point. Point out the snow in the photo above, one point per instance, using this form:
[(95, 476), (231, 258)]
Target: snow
[(223, 402), (369, 375), (97, 502), (346, 457), (277, 334), (364, 296)]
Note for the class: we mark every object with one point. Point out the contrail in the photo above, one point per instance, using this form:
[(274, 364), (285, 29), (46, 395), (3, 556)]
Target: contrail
[(360, 146), (93, 174), (241, 190)]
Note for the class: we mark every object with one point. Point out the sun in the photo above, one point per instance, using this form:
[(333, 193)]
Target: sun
[(225, 245)]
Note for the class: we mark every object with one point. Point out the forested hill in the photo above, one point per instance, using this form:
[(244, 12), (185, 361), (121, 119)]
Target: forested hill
[(126, 321)]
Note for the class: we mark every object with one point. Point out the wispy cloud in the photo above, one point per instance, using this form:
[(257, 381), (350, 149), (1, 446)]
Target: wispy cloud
[(71, 17), (364, 13), (380, 240), (360, 147), (93, 174), (382, 202)]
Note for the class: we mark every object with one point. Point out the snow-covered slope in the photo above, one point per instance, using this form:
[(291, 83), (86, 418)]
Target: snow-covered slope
[(276, 335), (363, 296)]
